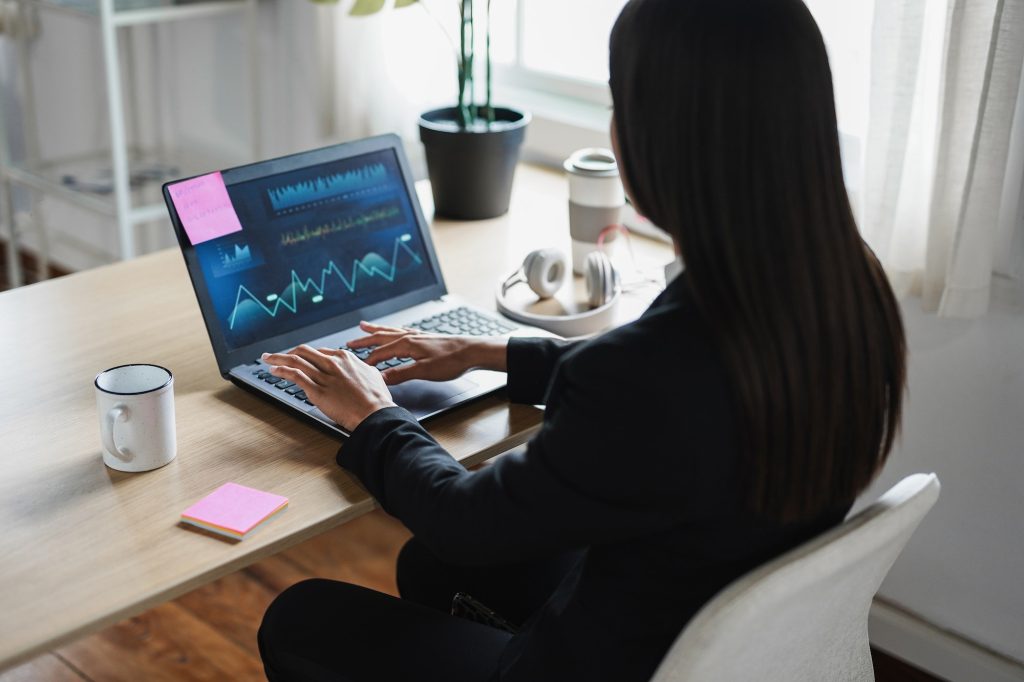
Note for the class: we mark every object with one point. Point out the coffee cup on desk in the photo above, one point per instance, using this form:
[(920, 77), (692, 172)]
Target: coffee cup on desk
[(596, 199), (136, 410)]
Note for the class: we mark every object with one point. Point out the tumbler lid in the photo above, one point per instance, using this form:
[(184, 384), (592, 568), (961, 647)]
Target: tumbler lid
[(593, 162)]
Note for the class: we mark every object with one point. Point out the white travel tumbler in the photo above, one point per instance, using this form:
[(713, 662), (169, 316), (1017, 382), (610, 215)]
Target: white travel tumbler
[(596, 199)]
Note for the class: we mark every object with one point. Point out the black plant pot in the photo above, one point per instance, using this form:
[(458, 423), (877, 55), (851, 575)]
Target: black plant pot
[(471, 169)]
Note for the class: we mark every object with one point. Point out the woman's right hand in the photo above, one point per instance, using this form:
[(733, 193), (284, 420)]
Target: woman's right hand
[(439, 357)]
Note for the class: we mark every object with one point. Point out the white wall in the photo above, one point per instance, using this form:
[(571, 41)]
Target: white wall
[(964, 568)]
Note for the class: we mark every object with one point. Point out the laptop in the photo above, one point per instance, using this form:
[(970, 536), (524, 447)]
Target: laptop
[(300, 249)]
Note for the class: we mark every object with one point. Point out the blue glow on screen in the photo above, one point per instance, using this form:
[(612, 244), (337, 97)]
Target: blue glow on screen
[(315, 243)]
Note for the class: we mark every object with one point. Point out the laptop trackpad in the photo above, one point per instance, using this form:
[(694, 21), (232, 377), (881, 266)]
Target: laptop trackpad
[(426, 397)]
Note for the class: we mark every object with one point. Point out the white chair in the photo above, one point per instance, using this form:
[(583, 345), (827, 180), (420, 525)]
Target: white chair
[(804, 615)]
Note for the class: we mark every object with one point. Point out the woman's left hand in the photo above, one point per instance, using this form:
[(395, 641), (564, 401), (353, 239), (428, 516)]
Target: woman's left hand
[(344, 387)]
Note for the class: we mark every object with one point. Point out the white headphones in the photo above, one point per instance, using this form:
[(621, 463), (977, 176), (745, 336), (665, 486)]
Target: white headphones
[(544, 272)]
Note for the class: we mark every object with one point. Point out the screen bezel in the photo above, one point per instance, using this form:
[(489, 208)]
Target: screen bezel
[(228, 358)]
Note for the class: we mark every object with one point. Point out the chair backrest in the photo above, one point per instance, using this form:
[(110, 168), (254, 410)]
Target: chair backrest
[(804, 615)]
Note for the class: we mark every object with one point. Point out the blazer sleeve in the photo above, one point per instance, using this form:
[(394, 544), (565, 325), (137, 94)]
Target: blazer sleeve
[(571, 488), (531, 365)]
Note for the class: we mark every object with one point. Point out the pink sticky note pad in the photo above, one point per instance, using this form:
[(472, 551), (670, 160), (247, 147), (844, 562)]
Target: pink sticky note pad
[(204, 208), (234, 508)]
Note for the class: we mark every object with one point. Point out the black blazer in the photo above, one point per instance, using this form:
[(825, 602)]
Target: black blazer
[(636, 462)]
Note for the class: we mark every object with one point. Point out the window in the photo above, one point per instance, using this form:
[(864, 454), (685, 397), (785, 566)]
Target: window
[(846, 27), (561, 48), (556, 47), (551, 57)]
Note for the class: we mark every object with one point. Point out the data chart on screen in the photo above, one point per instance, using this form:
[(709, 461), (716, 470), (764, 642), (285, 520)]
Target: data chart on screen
[(315, 243)]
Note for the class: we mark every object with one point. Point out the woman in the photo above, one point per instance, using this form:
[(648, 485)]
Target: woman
[(738, 417)]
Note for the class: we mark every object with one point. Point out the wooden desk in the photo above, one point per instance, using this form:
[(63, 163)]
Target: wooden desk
[(82, 546)]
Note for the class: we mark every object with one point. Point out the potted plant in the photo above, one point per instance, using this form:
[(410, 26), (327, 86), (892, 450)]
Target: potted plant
[(472, 148)]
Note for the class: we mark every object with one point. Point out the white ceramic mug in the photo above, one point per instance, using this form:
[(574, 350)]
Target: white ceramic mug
[(136, 408)]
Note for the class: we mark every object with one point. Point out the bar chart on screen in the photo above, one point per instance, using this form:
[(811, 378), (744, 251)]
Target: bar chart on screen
[(323, 189)]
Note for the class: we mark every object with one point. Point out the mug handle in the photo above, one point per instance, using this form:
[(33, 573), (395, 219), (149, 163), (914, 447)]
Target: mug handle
[(118, 413)]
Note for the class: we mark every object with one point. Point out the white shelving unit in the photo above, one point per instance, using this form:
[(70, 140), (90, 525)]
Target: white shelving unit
[(127, 205)]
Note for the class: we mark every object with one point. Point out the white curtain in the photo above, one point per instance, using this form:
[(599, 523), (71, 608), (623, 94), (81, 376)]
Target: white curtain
[(945, 78), (380, 72)]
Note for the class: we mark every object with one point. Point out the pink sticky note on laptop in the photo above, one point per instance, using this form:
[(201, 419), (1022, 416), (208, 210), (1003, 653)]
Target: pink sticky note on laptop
[(233, 510), (204, 208)]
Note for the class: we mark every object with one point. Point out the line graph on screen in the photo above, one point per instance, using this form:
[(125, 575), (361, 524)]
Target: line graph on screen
[(372, 265)]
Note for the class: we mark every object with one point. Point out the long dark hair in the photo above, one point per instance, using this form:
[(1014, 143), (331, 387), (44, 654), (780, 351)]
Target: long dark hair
[(726, 127)]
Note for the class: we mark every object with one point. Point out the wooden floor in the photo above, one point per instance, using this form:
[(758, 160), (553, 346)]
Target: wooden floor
[(29, 268), (210, 634)]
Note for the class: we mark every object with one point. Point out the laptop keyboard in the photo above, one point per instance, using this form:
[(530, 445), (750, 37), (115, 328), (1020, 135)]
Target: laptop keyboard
[(463, 320), (363, 353), (458, 321)]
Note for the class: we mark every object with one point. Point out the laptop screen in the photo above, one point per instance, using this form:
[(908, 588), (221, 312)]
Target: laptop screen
[(316, 242)]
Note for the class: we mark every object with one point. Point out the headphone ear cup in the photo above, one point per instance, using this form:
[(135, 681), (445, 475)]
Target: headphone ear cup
[(601, 278), (544, 270)]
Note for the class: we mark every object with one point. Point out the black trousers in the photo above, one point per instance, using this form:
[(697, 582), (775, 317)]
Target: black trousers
[(325, 630)]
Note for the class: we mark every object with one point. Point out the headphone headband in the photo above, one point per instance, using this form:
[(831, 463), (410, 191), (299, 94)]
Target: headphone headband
[(517, 277)]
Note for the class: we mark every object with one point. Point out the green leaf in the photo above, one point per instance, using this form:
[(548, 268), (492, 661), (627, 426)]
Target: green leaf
[(363, 8), (404, 3)]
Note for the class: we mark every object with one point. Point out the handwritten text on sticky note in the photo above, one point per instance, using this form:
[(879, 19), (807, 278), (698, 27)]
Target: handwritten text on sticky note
[(204, 208)]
